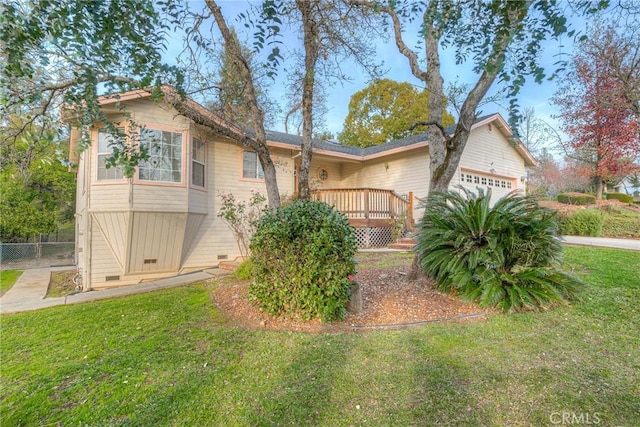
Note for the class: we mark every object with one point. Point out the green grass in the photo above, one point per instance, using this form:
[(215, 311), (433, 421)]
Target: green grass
[(8, 279), (168, 358)]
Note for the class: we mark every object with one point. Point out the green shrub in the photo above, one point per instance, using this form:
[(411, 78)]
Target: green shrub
[(244, 270), (585, 222), (504, 257), (625, 198), (303, 255), (576, 198), (621, 226)]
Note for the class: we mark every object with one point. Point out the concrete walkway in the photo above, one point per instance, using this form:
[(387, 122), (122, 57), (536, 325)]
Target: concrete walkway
[(29, 291), (605, 242)]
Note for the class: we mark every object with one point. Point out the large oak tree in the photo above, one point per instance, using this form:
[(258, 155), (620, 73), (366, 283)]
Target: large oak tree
[(386, 110), (502, 40)]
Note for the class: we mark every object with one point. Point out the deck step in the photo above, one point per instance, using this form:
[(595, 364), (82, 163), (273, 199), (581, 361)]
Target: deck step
[(405, 244)]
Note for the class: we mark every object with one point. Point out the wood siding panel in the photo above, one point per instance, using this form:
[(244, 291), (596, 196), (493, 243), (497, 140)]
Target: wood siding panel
[(156, 236), (194, 221), (160, 198), (103, 261), (114, 228)]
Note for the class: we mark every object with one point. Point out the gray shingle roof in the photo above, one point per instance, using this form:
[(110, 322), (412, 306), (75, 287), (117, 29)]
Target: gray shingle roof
[(296, 141)]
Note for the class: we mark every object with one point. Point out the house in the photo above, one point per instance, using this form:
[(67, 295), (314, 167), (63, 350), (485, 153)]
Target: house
[(163, 221)]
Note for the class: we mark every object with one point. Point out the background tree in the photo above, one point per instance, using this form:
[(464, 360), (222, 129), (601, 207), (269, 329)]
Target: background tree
[(601, 125), (617, 44), (69, 51), (331, 31), (37, 191), (386, 110), (545, 180), (501, 39), (536, 134)]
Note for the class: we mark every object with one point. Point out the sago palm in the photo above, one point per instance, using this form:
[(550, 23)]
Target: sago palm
[(505, 256)]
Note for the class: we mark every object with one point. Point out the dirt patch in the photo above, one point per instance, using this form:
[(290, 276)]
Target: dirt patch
[(390, 300), (61, 284)]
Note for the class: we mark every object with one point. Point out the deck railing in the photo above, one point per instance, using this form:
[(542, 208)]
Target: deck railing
[(368, 206)]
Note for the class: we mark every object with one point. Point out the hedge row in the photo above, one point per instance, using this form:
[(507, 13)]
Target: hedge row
[(621, 226), (587, 222), (625, 198), (576, 198)]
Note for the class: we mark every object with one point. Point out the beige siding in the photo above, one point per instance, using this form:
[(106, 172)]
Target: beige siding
[(334, 171), (489, 155), (214, 241), (145, 112), (114, 227), (156, 242), (403, 173), (103, 261)]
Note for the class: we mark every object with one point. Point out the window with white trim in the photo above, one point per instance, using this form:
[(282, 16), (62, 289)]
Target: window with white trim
[(165, 156), (197, 162), (105, 150), (251, 167)]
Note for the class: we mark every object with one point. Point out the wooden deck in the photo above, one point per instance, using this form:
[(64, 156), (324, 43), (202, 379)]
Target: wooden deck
[(369, 207)]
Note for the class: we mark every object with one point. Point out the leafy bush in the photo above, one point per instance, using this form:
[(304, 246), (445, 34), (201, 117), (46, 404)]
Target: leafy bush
[(585, 222), (244, 270), (576, 198), (625, 198), (303, 255), (242, 217), (621, 226), (504, 257)]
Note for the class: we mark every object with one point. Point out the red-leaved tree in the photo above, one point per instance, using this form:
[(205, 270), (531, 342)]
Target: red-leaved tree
[(602, 128)]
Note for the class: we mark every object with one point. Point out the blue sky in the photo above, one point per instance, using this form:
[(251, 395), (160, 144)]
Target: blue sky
[(532, 94)]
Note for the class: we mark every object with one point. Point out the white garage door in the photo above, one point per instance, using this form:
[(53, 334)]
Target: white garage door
[(500, 186)]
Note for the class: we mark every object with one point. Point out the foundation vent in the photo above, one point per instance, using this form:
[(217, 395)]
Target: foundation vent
[(150, 261), (223, 256), (111, 278)]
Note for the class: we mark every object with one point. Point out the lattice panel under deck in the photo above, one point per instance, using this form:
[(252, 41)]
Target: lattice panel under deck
[(373, 237)]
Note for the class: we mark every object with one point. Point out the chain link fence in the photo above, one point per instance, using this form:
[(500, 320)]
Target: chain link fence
[(34, 255)]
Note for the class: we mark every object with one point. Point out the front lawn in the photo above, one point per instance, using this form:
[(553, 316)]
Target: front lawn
[(169, 358), (7, 279)]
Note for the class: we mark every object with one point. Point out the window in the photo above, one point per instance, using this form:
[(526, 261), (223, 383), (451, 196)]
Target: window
[(503, 184), (476, 179), (105, 150), (165, 156), (509, 184), (483, 180), (323, 175), (490, 182), (469, 178), (251, 167), (197, 162)]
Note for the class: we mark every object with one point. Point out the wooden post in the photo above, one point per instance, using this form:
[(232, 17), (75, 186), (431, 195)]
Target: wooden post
[(366, 203), (410, 216)]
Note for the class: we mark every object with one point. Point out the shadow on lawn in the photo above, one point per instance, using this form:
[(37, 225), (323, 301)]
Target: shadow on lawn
[(353, 380)]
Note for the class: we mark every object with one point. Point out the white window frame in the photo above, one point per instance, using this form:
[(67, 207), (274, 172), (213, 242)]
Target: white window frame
[(253, 172), (198, 148), (105, 151), (165, 149)]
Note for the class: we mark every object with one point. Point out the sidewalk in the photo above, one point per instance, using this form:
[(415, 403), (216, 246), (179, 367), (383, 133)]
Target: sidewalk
[(604, 242), (29, 291)]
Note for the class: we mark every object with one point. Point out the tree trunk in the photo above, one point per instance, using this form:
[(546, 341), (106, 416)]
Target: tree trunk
[(311, 50), (259, 141), (599, 187)]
